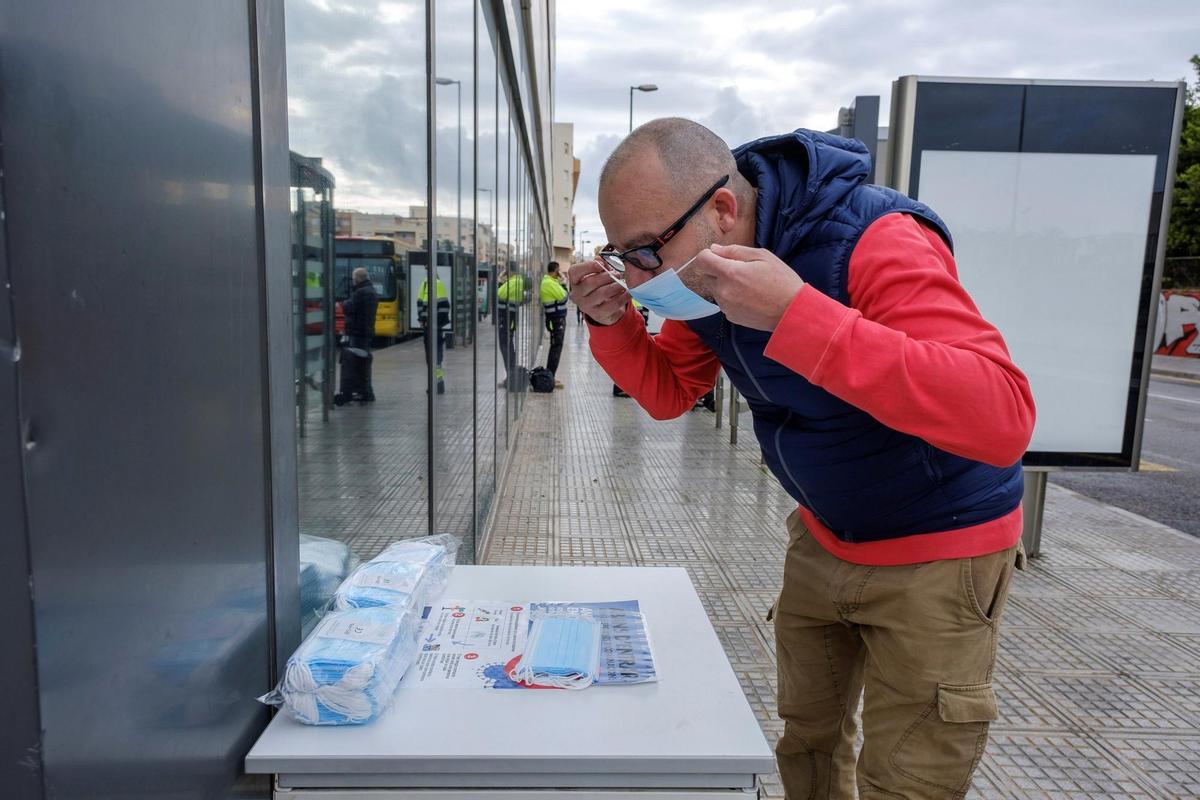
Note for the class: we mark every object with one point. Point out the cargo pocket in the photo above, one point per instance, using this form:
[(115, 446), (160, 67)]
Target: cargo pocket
[(943, 746)]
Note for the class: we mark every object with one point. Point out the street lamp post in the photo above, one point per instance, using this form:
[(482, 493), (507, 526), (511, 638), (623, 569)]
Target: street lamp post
[(645, 87), (455, 270), (458, 85), (582, 256)]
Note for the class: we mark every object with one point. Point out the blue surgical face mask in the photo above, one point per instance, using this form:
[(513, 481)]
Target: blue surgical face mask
[(666, 295), (562, 651)]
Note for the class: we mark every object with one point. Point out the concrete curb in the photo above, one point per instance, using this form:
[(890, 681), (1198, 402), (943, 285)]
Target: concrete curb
[(1174, 373)]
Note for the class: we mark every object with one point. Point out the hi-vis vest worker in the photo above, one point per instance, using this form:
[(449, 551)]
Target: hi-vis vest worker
[(554, 297), (443, 304), (510, 296)]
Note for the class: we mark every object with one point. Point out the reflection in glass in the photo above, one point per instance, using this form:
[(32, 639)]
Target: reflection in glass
[(504, 323), (456, 271), (312, 279), (357, 110), (488, 435), (454, 436)]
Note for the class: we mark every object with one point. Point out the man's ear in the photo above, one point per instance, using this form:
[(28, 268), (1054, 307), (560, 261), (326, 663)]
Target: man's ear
[(726, 205)]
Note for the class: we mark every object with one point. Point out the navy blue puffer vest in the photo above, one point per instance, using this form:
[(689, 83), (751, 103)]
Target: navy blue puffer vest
[(863, 480)]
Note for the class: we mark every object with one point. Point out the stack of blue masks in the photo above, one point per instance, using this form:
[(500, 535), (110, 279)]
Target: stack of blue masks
[(347, 670), (406, 573)]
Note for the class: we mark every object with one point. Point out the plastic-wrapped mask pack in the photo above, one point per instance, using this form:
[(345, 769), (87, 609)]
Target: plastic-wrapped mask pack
[(346, 671), (410, 572)]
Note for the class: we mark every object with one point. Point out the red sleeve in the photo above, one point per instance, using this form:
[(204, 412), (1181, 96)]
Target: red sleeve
[(664, 373), (913, 351)]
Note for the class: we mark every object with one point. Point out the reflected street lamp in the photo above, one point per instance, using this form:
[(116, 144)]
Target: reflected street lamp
[(455, 270), (582, 255), (645, 87), (458, 229)]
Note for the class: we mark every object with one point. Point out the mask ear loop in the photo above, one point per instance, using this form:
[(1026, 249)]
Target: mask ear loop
[(687, 263), (612, 276)]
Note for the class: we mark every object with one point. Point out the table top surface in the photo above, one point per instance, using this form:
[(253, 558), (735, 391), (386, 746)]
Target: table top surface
[(694, 719)]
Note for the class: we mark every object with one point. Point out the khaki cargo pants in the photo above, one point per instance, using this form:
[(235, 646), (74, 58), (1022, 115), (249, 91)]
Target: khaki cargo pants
[(919, 641)]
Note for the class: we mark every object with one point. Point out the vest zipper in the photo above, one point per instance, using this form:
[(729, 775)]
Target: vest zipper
[(778, 434), (792, 478), (746, 369)]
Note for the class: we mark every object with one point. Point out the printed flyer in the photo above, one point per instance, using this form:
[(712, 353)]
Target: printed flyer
[(473, 644)]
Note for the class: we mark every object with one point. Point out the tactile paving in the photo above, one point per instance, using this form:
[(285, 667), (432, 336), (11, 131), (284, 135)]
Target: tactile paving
[(1059, 766), (1114, 703)]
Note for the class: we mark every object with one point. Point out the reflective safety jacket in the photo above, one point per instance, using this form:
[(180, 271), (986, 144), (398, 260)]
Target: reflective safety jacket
[(443, 304), (511, 295), (554, 297)]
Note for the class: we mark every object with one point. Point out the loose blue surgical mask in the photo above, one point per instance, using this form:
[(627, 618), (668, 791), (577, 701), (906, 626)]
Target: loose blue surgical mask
[(666, 295), (562, 651)]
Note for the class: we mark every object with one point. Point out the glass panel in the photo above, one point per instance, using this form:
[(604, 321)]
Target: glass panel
[(486, 354), (357, 112), (509, 292), (455, 317), (504, 320), (312, 280)]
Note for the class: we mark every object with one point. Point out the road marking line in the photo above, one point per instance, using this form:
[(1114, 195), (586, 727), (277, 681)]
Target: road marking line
[(1176, 399), (1150, 466)]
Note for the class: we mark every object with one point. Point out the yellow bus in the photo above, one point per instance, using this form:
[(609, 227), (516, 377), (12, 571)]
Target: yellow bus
[(385, 267)]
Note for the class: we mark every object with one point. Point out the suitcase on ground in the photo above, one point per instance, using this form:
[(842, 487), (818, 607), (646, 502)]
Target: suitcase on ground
[(355, 377)]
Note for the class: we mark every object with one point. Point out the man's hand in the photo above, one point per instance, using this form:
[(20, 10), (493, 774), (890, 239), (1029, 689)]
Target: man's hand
[(592, 289), (752, 286)]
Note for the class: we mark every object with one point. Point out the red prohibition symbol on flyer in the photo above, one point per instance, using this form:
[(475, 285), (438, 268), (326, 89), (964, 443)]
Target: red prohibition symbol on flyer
[(516, 608), (458, 614), (471, 656)]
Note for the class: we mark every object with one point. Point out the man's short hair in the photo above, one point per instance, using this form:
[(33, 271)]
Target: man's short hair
[(692, 156), (360, 274), (552, 267)]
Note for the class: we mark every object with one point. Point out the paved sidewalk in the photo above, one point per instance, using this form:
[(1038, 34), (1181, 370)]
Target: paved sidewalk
[(1099, 670)]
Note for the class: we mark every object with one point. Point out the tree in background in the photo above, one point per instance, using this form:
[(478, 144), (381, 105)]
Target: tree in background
[(1183, 234)]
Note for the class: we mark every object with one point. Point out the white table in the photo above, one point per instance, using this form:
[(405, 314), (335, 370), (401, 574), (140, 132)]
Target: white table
[(689, 735)]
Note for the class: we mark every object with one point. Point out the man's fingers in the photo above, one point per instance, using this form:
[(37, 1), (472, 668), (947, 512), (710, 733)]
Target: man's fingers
[(708, 262), (578, 270), (738, 252), (593, 282), (596, 300)]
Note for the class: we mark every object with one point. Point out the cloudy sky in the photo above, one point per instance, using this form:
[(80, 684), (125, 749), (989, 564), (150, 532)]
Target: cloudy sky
[(356, 71), (756, 67)]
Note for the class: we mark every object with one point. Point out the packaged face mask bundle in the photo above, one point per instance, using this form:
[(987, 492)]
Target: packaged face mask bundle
[(407, 573), (346, 671), (562, 651), (324, 563)]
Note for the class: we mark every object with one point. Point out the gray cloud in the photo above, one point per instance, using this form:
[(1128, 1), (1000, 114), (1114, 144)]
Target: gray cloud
[(356, 71), (765, 66)]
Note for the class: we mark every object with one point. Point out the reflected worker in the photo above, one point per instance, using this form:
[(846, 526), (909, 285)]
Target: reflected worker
[(554, 308), (883, 402), (443, 326), (358, 314), (509, 299)]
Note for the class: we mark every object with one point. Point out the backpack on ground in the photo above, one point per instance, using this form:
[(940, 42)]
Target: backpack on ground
[(541, 380)]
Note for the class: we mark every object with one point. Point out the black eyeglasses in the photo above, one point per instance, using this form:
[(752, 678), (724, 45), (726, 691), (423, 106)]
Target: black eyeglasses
[(646, 257)]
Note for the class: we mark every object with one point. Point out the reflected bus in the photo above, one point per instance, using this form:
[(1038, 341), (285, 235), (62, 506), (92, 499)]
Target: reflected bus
[(385, 267)]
